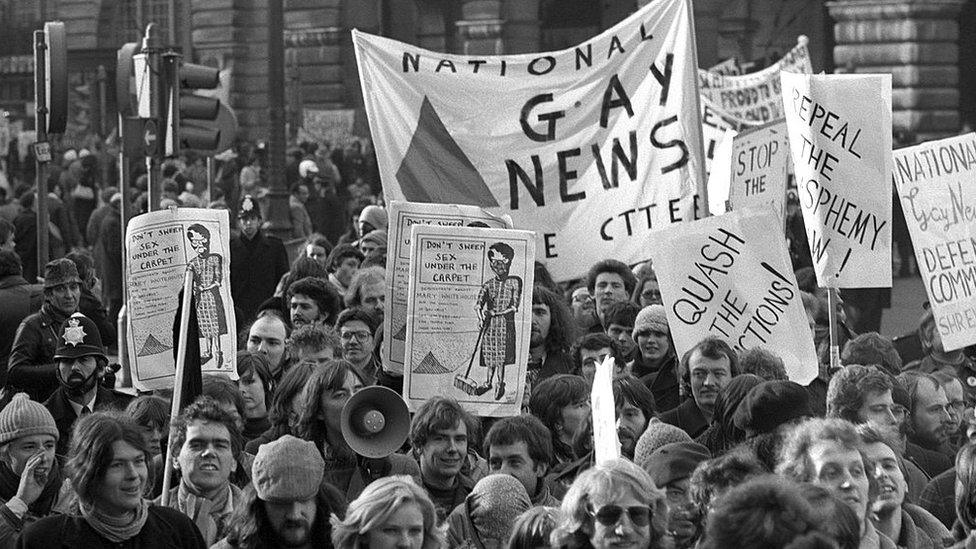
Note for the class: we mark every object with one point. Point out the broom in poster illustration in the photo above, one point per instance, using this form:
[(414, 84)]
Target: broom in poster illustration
[(207, 275), (496, 305)]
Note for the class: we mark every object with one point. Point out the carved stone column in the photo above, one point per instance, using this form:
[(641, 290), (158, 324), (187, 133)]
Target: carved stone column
[(917, 42)]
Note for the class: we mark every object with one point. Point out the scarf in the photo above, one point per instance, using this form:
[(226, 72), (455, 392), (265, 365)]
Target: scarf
[(210, 515), (10, 482), (113, 528)]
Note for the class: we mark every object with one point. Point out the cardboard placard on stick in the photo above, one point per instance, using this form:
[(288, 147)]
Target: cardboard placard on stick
[(404, 215), (936, 184), (159, 248), (469, 317), (730, 276), (760, 160), (840, 140)]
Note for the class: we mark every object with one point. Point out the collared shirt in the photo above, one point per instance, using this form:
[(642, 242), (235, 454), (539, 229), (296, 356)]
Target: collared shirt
[(79, 407)]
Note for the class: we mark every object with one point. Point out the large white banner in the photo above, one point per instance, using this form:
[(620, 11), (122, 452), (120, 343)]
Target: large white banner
[(840, 141), (469, 316), (403, 216), (760, 160), (730, 276), (755, 97), (591, 147), (936, 183), (159, 248)]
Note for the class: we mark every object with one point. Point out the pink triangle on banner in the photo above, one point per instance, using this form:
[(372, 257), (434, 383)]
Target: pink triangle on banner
[(436, 170)]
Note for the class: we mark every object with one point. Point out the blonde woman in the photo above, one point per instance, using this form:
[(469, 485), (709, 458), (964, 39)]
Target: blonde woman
[(391, 512)]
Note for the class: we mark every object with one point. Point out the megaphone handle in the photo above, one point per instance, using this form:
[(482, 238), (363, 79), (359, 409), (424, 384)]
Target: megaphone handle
[(373, 468)]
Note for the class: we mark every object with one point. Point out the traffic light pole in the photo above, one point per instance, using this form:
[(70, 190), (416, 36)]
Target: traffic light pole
[(278, 195), (150, 106), (41, 147)]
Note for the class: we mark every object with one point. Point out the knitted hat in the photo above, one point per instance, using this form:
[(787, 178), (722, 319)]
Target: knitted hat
[(651, 318), (60, 271), (24, 417), (496, 501), (656, 435), (249, 208), (375, 216), (377, 237), (79, 337), (771, 404), (675, 461), (287, 469)]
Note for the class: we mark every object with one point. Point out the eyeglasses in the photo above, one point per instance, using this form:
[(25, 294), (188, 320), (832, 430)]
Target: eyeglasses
[(609, 515), (582, 298), (360, 336)]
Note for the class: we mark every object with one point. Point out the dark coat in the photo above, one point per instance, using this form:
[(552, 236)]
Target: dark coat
[(64, 414), (662, 382), (688, 417), (93, 234), (91, 306), (164, 529), (939, 497), (31, 367), (18, 300), (25, 238), (931, 462), (256, 266), (110, 242)]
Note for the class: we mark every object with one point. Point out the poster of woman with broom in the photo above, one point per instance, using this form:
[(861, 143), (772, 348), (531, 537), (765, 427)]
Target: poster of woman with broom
[(469, 317), (497, 304)]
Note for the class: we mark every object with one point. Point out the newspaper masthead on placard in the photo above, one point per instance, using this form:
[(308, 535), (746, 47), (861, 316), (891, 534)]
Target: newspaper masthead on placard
[(404, 215), (839, 129), (730, 276), (469, 317), (936, 183), (760, 161), (159, 248), (591, 146)]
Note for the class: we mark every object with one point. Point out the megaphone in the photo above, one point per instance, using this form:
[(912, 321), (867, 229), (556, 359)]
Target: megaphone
[(375, 422)]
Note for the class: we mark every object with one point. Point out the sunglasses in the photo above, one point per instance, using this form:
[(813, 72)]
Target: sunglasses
[(609, 515)]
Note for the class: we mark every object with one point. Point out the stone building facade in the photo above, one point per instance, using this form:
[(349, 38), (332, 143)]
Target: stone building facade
[(926, 44)]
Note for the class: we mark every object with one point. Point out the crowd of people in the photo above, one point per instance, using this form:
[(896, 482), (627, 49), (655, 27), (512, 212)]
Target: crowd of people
[(718, 448)]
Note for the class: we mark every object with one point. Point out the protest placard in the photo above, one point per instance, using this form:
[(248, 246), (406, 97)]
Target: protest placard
[(715, 122), (729, 67), (839, 130), (333, 126), (936, 183), (403, 215), (469, 317), (159, 248), (760, 159), (603, 408), (591, 146), (757, 96), (720, 176), (730, 276)]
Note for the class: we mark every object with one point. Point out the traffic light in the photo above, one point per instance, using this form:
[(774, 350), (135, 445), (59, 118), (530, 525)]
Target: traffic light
[(195, 122), (56, 77)]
